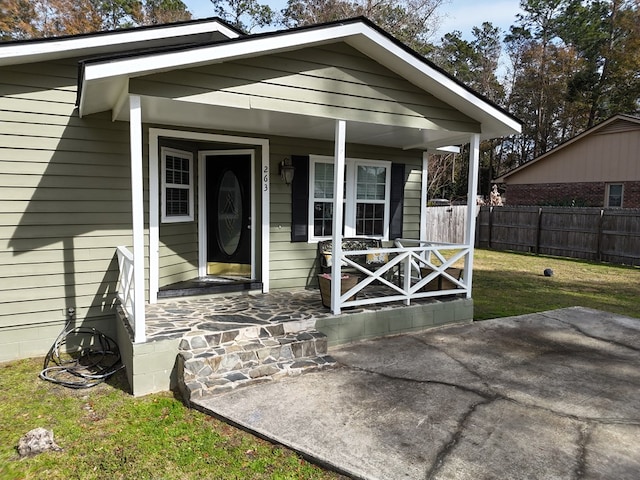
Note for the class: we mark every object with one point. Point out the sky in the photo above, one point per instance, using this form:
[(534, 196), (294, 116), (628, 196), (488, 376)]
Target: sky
[(460, 15)]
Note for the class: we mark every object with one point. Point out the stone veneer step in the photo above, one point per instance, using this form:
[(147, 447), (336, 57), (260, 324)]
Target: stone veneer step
[(210, 363)]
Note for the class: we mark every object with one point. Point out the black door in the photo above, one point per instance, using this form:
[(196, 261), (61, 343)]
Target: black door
[(228, 214)]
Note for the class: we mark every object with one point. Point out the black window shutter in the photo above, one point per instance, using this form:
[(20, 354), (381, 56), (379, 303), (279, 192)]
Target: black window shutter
[(300, 199), (396, 201)]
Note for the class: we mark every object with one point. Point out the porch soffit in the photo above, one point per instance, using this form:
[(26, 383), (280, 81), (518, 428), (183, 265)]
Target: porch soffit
[(169, 112), (104, 83)]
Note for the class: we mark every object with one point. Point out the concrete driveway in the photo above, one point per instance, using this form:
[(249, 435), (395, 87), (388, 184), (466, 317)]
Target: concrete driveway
[(554, 395)]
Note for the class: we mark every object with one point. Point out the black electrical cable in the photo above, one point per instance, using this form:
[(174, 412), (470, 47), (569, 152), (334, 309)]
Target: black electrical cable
[(96, 361)]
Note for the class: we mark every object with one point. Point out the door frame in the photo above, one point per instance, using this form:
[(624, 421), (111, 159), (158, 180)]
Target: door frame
[(203, 230), (154, 197)]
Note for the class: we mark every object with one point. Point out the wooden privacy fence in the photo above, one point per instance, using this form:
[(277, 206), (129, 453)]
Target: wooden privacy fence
[(446, 224), (609, 235)]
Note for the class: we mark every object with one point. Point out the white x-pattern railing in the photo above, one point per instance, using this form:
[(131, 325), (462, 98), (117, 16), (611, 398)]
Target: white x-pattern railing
[(403, 272), (125, 283)]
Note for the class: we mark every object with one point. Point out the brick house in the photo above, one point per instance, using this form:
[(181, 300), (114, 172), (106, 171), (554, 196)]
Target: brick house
[(598, 168)]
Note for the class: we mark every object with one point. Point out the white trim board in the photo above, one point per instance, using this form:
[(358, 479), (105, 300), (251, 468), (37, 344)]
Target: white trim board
[(154, 200), (105, 42)]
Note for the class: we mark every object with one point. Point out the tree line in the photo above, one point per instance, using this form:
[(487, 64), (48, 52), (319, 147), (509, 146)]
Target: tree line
[(26, 19), (570, 63)]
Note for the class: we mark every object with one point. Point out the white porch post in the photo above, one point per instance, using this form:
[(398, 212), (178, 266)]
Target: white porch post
[(338, 194), (137, 209), (154, 217), (423, 196), (265, 243), (472, 193)]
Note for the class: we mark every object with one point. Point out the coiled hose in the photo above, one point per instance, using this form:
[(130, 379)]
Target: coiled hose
[(96, 361)]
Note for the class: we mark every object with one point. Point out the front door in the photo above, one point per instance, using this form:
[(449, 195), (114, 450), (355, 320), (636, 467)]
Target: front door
[(228, 198)]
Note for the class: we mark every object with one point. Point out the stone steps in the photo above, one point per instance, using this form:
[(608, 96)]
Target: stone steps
[(215, 362)]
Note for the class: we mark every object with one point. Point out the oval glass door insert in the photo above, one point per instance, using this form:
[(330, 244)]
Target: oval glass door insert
[(229, 213)]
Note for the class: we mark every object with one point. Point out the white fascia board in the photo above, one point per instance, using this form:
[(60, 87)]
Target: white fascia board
[(50, 49), (228, 51), (423, 75)]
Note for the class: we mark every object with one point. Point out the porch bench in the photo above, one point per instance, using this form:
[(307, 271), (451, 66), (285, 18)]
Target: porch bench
[(371, 261)]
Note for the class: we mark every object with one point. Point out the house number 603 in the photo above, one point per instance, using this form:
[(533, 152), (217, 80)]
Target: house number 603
[(265, 178)]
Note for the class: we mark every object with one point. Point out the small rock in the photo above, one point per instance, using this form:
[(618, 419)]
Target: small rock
[(37, 441)]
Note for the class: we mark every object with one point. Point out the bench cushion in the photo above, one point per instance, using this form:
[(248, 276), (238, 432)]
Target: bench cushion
[(377, 258), (325, 248)]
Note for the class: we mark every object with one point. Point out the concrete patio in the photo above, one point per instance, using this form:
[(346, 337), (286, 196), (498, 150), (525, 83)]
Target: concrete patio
[(547, 395)]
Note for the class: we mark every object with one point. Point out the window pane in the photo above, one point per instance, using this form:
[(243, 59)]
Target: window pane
[(177, 170), (322, 219), (169, 169), (324, 171), (177, 200), (371, 182), (615, 195), (323, 187), (369, 219)]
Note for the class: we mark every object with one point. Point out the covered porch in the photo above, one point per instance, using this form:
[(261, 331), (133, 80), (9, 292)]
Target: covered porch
[(414, 272)]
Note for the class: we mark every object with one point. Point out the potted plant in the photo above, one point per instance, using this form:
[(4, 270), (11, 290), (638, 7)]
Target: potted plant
[(347, 282)]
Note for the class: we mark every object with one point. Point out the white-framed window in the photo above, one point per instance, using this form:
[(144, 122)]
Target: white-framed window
[(367, 196), (615, 193), (177, 186)]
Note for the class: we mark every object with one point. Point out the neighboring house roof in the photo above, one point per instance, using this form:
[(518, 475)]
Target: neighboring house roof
[(599, 128), (100, 43)]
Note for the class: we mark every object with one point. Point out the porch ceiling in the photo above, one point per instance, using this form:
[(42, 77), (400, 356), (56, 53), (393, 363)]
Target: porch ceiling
[(165, 111)]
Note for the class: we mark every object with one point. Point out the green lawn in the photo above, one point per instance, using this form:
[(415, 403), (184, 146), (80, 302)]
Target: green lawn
[(506, 284), (106, 433)]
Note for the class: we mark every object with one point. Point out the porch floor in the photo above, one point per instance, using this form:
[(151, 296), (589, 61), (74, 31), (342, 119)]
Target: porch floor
[(173, 318)]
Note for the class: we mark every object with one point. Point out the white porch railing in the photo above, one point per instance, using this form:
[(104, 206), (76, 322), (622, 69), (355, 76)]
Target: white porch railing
[(125, 283), (412, 265)]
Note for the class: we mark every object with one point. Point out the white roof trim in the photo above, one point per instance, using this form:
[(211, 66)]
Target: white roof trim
[(357, 34), (153, 63), (65, 47)]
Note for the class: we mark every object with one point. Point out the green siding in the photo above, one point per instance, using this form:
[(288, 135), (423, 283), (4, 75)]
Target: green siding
[(332, 82), (65, 204), (178, 257)]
